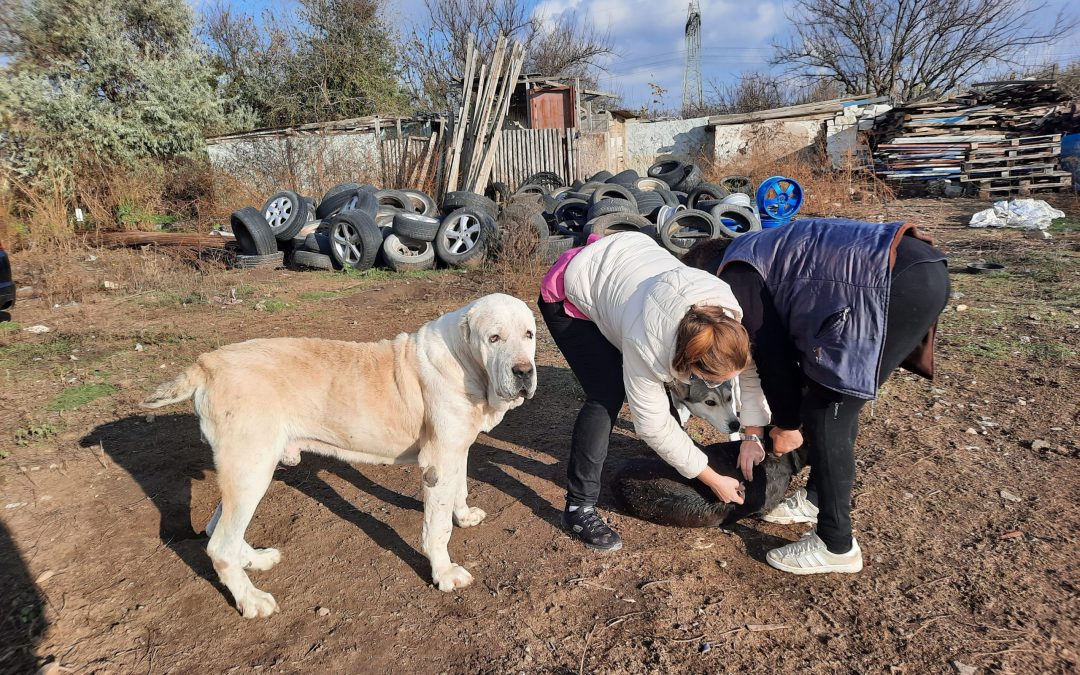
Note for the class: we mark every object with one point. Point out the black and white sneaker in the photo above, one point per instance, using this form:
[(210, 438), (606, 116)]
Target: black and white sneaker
[(585, 523)]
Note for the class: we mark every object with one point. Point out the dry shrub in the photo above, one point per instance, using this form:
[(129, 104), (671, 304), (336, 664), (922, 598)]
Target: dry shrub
[(68, 271), (520, 263), (827, 191)]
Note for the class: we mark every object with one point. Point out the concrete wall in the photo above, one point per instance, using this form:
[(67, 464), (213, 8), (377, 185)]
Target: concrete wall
[(645, 141), (298, 162)]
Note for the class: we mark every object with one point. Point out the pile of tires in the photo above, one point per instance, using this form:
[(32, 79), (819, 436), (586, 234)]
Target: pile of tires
[(672, 203), (359, 227)]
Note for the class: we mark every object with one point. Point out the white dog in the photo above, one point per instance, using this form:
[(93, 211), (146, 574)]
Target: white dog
[(419, 398)]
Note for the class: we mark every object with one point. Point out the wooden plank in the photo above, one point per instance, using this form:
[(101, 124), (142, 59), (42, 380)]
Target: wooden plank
[(454, 159)]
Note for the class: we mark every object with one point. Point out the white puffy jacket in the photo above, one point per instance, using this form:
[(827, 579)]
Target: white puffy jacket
[(637, 293)]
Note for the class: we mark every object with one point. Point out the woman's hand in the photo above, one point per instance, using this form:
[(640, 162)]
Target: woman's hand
[(785, 440), (751, 453), (727, 489)]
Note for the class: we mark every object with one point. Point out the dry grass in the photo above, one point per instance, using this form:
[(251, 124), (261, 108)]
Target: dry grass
[(520, 263), (825, 189)]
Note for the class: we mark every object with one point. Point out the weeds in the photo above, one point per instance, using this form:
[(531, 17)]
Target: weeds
[(80, 395), (10, 326), (34, 432), (272, 305), (319, 295), (22, 353)]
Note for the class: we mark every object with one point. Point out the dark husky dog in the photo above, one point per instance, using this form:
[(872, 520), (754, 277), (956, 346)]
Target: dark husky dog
[(649, 488)]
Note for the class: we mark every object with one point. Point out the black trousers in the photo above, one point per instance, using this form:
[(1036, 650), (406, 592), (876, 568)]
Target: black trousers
[(597, 364), (831, 420)]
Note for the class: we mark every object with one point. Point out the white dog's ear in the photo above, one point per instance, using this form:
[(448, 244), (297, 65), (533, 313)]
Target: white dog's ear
[(464, 327)]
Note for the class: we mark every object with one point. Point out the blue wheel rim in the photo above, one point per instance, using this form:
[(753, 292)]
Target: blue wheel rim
[(779, 198)]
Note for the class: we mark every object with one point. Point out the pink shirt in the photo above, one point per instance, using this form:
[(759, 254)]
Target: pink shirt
[(552, 288)]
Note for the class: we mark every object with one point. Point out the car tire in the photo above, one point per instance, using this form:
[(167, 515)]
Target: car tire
[(335, 198), (406, 255), (464, 237), (614, 223), (497, 192), (613, 205), (705, 192), (252, 232), (701, 224), (745, 218), (313, 260), (273, 260), (454, 201), (415, 227), (355, 240), (628, 178), (547, 178)]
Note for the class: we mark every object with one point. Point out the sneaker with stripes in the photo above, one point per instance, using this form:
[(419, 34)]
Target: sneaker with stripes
[(810, 555)]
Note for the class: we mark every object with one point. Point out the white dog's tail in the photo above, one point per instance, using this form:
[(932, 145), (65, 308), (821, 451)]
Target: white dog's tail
[(179, 389)]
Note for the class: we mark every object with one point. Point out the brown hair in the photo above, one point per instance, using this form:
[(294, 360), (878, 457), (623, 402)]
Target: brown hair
[(710, 344)]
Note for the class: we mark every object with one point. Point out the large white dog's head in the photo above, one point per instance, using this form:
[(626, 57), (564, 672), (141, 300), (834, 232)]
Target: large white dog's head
[(501, 333)]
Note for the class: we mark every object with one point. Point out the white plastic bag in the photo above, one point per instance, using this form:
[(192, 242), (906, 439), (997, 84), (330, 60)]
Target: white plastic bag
[(1026, 214)]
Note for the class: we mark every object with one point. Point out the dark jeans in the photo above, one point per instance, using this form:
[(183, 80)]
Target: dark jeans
[(831, 420), (597, 364)]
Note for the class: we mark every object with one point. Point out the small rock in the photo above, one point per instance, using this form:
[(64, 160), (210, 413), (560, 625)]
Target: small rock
[(139, 347), (44, 576), (961, 308), (908, 495), (38, 329), (1039, 445), (73, 357), (721, 563), (964, 669), (322, 611), (1010, 497), (970, 430)]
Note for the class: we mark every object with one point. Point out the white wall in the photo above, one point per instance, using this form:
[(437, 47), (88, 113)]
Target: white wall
[(645, 141)]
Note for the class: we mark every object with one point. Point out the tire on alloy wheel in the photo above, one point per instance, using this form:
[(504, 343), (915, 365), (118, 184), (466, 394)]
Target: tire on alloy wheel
[(464, 237), (285, 212), (253, 261), (355, 240), (686, 228), (614, 223), (252, 232), (415, 227), (335, 198), (406, 255), (462, 199), (316, 261)]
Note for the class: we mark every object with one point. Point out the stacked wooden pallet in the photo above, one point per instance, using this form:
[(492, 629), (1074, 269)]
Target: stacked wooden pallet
[(992, 139), (1022, 165)]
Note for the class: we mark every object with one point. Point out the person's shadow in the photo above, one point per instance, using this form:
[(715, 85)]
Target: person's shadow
[(22, 610)]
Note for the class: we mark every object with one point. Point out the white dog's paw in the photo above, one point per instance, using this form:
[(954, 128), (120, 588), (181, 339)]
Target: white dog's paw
[(256, 603), (452, 577), (469, 517), (262, 559)]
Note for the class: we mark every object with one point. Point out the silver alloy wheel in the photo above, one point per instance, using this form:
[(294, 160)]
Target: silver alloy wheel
[(345, 239), (278, 212), (462, 234)]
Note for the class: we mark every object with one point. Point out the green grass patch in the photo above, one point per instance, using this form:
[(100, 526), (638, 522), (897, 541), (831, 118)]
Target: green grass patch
[(1064, 225), (78, 396), (9, 326), (35, 432), (272, 305), (172, 299), (25, 352), (990, 348), (1049, 353)]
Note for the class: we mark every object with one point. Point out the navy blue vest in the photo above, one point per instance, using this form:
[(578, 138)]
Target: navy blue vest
[(829, 279)]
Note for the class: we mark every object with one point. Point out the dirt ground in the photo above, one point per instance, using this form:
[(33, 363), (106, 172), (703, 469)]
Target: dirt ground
[(964, 505)]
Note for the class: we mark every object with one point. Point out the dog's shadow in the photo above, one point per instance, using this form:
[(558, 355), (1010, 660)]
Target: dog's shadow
[(166, 455)]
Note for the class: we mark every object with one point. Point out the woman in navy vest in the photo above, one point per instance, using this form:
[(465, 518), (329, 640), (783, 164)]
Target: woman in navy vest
[(832, 307)]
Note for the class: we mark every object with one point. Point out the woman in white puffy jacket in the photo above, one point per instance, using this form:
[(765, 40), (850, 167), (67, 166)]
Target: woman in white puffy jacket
[(629, 318)]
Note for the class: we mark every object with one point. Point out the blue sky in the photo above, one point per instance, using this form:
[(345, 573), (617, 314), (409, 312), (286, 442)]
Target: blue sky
[(648, 37)]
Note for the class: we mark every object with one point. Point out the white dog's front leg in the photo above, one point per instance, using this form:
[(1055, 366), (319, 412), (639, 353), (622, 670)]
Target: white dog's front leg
[(465, 515), (440, 493)]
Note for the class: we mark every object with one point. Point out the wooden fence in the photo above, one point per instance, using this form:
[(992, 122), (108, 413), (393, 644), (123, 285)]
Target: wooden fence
[(523, 152)]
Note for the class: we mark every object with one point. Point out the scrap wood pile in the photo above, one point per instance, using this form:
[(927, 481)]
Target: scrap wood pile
[(997, 140)]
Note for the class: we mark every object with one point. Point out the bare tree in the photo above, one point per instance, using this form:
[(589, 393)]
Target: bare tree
[(905, 48), (435, 52)]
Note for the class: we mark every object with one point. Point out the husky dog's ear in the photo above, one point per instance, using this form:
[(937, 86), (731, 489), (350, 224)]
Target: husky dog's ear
[(679, 390), (697, 391)]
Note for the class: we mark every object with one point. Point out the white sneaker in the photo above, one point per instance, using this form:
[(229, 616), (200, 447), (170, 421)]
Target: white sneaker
[(809, 555), (795, 509)]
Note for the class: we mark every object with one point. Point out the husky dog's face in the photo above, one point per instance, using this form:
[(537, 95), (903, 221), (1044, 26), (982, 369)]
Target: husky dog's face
[(715, 405)]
